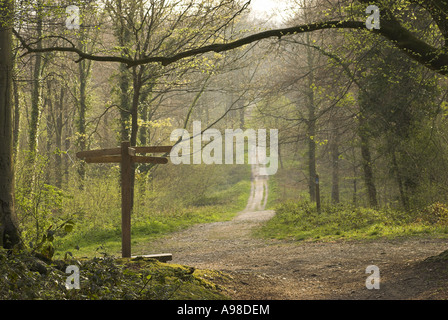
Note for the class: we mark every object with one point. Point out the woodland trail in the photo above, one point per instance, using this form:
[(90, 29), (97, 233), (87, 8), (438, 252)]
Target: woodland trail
[(284, 270)]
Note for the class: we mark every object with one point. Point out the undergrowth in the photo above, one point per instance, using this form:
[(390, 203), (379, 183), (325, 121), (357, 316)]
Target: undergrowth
[(87, 237), (301, 221), (96, 213), (24, 277)]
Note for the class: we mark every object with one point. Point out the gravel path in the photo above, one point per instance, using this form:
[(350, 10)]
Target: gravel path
[(273, 269)]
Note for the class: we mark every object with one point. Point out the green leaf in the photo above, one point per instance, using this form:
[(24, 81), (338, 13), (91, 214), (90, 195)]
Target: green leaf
[(68, 227)]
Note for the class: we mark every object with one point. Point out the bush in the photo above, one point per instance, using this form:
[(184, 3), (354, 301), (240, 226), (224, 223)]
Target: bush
[(437, 213)]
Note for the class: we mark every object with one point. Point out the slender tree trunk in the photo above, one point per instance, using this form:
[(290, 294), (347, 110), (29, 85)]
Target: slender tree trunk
[(137, 73), (311, 136), (123, 35), (83, 69), (35, 103), (335, 164), (58, 131), (312, 158), (48, 105), (355, 186), (16, 119), (137, 85), (242, 118), (403, 196), (311, 123), (67, 139), (143, 132), (355, 177), (35, 108), (367, 164), (84, 73), (9, 232), (124, 103)]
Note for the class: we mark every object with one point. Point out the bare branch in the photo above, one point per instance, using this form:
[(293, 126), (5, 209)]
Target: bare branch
[(433, 58)]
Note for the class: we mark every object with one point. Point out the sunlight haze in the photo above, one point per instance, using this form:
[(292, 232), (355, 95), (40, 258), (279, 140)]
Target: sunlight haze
[(268, 8)]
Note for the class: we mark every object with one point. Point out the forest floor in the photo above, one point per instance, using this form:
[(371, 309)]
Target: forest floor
[(263, 269)]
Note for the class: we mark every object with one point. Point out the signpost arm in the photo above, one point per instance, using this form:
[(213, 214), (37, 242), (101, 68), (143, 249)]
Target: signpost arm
[(126, 200)]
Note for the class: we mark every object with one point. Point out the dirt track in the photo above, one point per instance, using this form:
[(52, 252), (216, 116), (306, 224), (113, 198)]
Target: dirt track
[(272, 269)]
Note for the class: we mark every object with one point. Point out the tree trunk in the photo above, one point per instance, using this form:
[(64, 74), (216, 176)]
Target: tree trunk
[(335, 164), (143, 132), (312, 158), (137, 73), (355, 187), (403, 196), (58, 131), (124, 103), (242, 112), (67, 139), (311, 130), (16, 119), (81, 123), (367, 164), (35, 102), (48, 105), (9, 232), (137, 85), (311, 136), (355, 179)]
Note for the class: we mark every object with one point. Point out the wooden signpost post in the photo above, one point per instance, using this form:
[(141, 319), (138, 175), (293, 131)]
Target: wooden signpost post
[(126, 156)]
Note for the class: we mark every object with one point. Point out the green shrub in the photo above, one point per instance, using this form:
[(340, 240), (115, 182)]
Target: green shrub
[(437, 213)]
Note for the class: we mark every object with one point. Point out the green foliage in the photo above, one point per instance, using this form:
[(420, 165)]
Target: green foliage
[(300, 221), (437, 213), (399, 104), (19, 280), (172, 199), (40, 211), (101, 278)]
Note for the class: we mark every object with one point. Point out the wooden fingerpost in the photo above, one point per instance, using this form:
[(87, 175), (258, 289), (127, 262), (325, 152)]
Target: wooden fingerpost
[(127, 157), (126, 199)]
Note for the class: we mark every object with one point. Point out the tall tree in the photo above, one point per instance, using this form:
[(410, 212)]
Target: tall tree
[(36, 95), (9, 232)]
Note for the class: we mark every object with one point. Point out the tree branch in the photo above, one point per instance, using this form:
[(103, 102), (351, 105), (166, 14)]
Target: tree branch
[(433, 58)]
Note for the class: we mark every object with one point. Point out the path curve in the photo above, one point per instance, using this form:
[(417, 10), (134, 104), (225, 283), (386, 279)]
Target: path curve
[(274, 269)]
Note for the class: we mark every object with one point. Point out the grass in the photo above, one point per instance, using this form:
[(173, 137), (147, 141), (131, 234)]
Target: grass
[(300, 221), (272, 194), (90, 239)]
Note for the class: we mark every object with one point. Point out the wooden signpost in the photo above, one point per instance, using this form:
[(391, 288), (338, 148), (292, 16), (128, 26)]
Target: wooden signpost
[(126, 156)]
